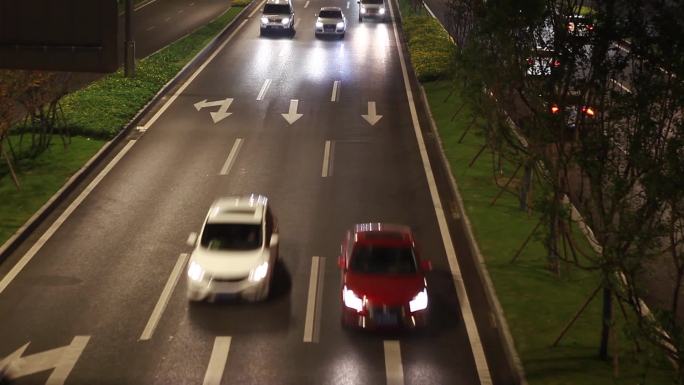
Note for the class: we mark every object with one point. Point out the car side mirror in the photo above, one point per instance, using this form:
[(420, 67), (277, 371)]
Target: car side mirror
[(192, 239), (340, 262), (274, 240), (426, 265)]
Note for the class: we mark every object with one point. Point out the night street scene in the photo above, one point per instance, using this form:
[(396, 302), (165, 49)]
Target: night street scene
[(341, 192)]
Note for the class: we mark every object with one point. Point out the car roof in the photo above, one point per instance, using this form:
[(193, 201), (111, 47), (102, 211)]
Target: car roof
[(247, 209), (277, 1), (383, 233), (331, 9)]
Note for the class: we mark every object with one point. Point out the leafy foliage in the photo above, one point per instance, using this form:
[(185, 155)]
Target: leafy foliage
[(432, 51)]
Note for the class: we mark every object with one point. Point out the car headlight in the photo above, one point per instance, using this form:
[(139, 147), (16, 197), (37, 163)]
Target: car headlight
[(419, 302), (259, 273), (351, 300), (363, 9), (285, 20), (319, 24), (340, 25), (382, 11), (195, 272), (264, 20)]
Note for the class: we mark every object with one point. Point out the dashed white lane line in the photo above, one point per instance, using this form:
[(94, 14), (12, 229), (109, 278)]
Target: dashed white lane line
[(347, 4), (328, 151), (136, 9), (393, 366), (191, 4), (194, 75), (313, 302), (16, 269), (231, 157), (306, 4), (481, 365), (335, 91), (296, 24), (180, 11), (621, 86), (264, 88), (217, 362), (164, 298), (149, 28)]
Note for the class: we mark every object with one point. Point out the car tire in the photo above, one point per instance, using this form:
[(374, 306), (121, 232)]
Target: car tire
[(342, 36), (261, 32), (360, 19)]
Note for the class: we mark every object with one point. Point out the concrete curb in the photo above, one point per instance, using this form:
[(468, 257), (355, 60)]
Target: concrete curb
[(504, 331), (512, 357), (60, 196)]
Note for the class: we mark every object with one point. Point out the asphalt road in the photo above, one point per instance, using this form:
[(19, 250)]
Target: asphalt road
[(102, 268)]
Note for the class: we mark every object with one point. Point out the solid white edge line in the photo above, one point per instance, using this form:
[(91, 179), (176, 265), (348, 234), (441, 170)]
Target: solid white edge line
[(482, 367), (429, 11), (192, 78), (231, 157), (16, 269), (141, 6), (394, 370), (333, 95), (621, 86), (217, 361), (164, 298), (257, 8), (326, 159), (311, 301)]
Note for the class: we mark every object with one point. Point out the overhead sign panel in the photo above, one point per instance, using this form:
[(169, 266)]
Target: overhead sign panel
[(59, 35)]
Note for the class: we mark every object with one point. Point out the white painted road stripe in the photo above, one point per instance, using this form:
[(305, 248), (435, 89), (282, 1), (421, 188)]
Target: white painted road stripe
[(335, 91), (466, 311), (297, 23), (150, 28), (231, 157), (9, 277), (310, 320), (393, 367), (217, 362), (306, 4), (325, 172), (164, 298), (621, 86), (194, 75), (347, 5), (141, 6), (167, 19)]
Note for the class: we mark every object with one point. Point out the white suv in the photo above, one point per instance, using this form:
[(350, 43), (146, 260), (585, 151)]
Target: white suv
[(372, 8), (235, 254), (277, 16)]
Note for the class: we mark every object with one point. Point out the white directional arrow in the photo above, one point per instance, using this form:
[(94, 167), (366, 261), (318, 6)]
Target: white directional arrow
[(292, 116), (222, 112), (372, 116), (61, 360)]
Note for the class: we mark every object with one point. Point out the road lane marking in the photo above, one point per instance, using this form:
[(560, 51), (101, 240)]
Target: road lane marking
[(61, 360), (141, 6), (180, 11), (192, 239), (306, 4), (335, 91), (191, 4), (164, 298), (621, 86), (393, 367), (264, 88), (194, 75), (297, 23), (231, 157), (217, 362), (347, 5), (481, 365), (372, 117), (311, 332), (292, 115), (327, 158), (9, 277), (167, 19), (257, 8), (221, 113), (150, 28)]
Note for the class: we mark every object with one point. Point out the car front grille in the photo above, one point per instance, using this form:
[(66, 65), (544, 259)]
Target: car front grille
[(329, 27), (237, 279)]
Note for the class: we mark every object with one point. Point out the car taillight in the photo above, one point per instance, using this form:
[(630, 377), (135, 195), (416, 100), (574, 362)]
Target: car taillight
[(556, 63), (589, 111), (555, 109)]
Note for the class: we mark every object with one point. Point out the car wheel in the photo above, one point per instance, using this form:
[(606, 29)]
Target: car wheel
[(360, 18), (342, 36), (261, 32)]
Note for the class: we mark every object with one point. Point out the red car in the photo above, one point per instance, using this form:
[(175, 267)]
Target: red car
[(383, 278)]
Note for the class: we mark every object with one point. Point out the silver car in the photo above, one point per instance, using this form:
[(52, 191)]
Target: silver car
[(330, 21), (277, 16), (372, 8)]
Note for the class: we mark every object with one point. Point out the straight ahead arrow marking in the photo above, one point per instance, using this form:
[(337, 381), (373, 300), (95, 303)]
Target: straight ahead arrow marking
[(372, 116), (292, 116)]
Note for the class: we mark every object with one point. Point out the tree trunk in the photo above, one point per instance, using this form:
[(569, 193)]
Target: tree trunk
[(525, 187), (10, 166), (607, 322)]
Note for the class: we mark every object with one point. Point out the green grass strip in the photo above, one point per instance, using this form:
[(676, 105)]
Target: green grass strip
[(95, 113)]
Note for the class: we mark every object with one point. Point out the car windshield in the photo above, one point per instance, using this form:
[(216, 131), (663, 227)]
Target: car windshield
[(371, 1), (373, 259), (231, 236), (330, 15), (277, 9)]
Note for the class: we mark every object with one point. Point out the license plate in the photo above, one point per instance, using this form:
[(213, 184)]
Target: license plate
[(385, 318), (227, 297)]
